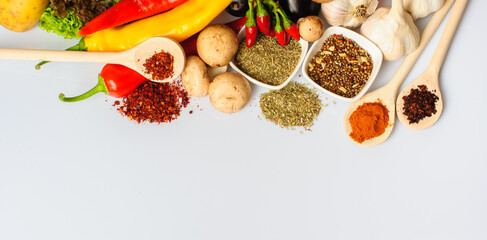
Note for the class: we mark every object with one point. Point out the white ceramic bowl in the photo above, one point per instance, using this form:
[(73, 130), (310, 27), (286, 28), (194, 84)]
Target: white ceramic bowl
[(304, 49), (363, 42)]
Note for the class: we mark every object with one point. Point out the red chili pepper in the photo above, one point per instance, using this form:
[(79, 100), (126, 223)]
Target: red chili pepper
[(280, 33), (289, 26), (114, 80), (127, 11), (251, 29), (273, 26), (263, 18), (189, 45)]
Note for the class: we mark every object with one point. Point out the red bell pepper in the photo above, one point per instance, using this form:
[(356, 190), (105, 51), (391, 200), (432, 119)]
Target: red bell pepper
[(114, 80), (263, 18), (280, 33), (127, 11), (251, 29)]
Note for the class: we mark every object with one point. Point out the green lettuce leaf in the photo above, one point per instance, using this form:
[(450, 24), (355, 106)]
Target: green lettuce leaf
[(67, 27)]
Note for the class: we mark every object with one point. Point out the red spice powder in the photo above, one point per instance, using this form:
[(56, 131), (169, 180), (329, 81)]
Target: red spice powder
[(160, 65), (155, 102), (368, 121)]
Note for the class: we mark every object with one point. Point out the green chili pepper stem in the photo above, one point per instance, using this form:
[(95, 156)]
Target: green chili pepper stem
[(78, 47), (251, 22), (99, 87), (277, 8), (278, 27)]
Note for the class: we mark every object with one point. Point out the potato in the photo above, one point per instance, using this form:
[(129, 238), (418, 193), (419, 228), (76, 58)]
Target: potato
[(195, 77), (216, 45), (21, 15), (229, 92), (311, 28)]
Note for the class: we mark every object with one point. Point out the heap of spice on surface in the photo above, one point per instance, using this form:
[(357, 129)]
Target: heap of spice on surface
[(155, 102), (295, 105)]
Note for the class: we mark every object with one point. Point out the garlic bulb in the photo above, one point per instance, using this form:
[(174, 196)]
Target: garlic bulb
[(348, 13), (422, 8), (393, 30)]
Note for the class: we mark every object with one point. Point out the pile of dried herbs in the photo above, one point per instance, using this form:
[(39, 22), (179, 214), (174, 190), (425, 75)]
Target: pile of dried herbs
[(267, 61), (295, 105)]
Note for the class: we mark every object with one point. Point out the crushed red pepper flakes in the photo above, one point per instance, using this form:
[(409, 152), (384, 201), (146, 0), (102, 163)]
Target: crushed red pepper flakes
[(160, 65), (419, 104), (155, 102)]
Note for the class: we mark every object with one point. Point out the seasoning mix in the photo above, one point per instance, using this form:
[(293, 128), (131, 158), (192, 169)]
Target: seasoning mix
[(368, 121), (160, 65), (419, 104), (341, 66), (267, 61), (155, 102), (295, 105)]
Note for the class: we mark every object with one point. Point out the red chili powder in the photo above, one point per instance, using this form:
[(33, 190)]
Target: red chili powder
[(368, 121), (155, 102), (160, 65)]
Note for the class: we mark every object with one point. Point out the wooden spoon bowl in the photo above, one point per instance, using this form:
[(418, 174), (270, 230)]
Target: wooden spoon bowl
[(430, 80), (133, 58), (382, 95)]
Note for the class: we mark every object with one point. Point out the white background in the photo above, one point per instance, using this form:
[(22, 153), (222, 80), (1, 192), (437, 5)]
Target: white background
[(82, 171)]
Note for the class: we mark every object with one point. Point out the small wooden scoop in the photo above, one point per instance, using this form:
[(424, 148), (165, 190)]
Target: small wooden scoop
[(388, 93), (430, 77), (133, 58)]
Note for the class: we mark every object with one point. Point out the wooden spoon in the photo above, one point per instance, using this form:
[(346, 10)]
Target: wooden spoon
[(430, 77), (133, 58), (388, 93)]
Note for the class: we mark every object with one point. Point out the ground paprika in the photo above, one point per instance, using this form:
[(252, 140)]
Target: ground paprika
[(368, 121)]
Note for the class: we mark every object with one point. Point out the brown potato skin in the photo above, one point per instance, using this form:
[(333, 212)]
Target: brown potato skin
[(195, 77), (21, 15), (229, 92), (311, 28), (216, 45)]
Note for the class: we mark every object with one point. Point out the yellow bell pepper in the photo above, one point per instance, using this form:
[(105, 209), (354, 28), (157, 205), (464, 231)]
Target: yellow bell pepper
[(179, 23)]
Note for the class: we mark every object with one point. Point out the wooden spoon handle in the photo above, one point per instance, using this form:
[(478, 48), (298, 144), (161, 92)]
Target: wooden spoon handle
[(61, 56), (447, 36), (428, 32)]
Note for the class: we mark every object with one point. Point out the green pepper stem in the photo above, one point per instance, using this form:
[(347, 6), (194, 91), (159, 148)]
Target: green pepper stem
[(78, 47), (277, 8), (99, 87)]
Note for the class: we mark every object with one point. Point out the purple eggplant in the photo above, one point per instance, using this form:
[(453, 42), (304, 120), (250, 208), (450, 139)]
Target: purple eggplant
[(297, 9), (238, 8)]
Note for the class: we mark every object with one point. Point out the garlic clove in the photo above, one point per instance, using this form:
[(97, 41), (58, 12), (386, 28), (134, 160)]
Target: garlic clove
[(348, 13), (422, 8), (392, 30)]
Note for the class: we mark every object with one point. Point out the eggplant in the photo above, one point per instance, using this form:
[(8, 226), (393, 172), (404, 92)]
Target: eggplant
[(297, 9), (238, 8)]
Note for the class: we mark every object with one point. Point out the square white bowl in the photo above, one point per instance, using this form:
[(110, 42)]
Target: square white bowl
[(304, 49), (371, 48)]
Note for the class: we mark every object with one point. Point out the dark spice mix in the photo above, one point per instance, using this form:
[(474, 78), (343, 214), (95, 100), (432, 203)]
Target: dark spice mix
[(341, 66), (419, 104)]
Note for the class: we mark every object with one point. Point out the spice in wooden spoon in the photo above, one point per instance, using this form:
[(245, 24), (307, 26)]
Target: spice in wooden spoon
[(420, 104), (388, 93)]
